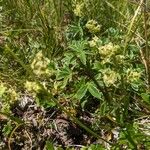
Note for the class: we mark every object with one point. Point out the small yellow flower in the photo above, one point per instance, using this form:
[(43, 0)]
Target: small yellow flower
[(107, 51), (95, 38), (110, 77), (32, 86), (39, 55), (71, 110), (3, 89), (13, 94), (93, 26), (78, 9), (39, 64), (93, 42), (132, 75), (120, 59)]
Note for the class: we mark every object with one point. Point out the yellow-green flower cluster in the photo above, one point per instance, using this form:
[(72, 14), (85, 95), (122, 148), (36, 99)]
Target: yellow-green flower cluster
[(120, 59), (9, 91), (94, 41), (110, 77), (107, 51), (3, 89), (39, 64), (32, 86), (78, 9), (93, 26), (13, 94), (133, 75)]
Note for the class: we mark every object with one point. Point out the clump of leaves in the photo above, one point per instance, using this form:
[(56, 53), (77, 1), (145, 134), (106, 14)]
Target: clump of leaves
[(99, 70)]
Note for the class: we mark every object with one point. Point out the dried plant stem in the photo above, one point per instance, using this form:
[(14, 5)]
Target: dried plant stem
[(13, 131), (147, 53)]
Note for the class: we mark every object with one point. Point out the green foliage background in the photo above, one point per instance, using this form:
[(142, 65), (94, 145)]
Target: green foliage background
[(92, 54)]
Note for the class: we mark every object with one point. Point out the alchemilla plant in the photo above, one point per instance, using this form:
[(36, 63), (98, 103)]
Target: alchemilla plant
[(74, 74)]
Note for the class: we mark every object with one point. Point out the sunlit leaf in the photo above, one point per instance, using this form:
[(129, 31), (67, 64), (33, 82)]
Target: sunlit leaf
[(93, 90), (78, 47), (81, 92), (65, 72), (146, 97)]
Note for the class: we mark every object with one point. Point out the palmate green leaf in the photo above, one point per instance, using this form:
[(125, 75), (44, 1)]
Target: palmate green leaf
[(65, 75), (82, 57), (64, 82), (81, 92), (93, 90), (78, 48), (65, 72)]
